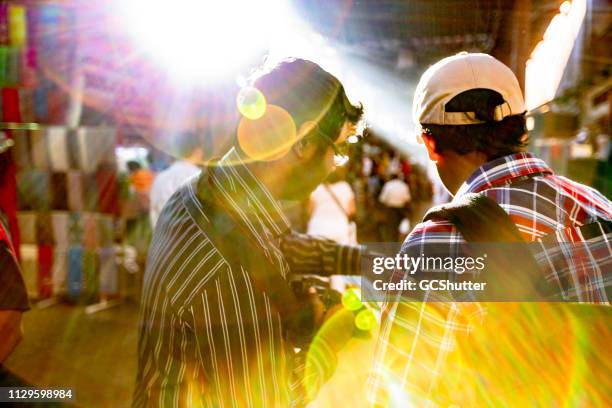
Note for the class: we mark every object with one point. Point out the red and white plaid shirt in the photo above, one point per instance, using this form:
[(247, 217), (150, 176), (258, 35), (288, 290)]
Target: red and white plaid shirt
[(566, 218)]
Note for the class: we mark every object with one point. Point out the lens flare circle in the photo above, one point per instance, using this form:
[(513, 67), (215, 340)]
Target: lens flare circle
[(351, 299), (251, 103), (365, 320), (268, 138)]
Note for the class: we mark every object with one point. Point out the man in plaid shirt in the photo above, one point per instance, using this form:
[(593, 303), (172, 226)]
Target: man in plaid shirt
[(442, 353)]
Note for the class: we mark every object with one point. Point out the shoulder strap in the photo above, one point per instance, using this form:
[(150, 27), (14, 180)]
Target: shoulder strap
[(479, 219), (227, 237)]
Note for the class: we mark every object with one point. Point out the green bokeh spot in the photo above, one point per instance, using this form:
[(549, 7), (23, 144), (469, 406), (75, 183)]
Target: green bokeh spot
[(251, 103), (365, 320), (351, 299)]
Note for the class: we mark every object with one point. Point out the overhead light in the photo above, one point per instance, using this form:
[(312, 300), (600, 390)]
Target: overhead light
[(565, 7), (202, 40)]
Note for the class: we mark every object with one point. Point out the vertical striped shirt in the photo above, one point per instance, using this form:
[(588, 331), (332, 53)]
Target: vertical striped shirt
[(208, 334)]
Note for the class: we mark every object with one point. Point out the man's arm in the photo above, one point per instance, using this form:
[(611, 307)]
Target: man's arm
[(307, 254)]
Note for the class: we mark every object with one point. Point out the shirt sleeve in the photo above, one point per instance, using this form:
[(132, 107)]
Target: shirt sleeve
[(315, 255), (13, 295)]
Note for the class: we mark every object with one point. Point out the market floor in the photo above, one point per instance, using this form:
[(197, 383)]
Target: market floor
[(94, 354)]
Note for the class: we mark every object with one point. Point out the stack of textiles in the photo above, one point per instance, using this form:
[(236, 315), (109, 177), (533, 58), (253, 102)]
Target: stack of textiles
[(68, 201), (67, 253)]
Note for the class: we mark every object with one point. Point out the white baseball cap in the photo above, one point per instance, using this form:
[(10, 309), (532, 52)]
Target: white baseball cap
[(463, 72)]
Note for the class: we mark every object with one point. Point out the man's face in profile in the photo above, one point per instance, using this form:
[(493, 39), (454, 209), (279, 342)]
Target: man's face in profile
[(312, 170)]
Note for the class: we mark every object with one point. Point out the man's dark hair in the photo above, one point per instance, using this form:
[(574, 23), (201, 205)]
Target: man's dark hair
[(493, 138), (308, 92)]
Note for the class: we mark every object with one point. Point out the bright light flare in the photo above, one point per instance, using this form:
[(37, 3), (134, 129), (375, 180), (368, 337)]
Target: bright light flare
[(202, 40), (340, 160), (565, 7)]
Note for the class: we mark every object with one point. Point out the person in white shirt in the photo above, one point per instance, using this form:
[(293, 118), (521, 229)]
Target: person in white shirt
[(169, 180), (331, 207), (395, 195)]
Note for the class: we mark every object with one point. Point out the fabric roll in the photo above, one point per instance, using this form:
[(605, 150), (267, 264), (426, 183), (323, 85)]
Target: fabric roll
[(75, 229), (21, 150), (73, 149), (3, 65), (11, 111), (27, 75), (33, 189), (29, 268), (44, 228), (18, 26), (27, 226), (60, 221), (91, 194), (108, 272), (41, 110), (26, 102), (59, 191), (13, 65), (75, 191), (57, 101), (75, 272), (91, 239), (57, 146), (4, 30), (45, 266), (108, 191), (32, 31), (40, 156), (91, 284), (95, 146), (59, 271), (106, 230)]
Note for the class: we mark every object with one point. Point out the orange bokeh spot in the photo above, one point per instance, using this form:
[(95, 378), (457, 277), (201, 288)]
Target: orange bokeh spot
[(268, 138)]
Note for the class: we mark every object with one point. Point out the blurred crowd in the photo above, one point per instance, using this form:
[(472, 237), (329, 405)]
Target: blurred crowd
[(378, 196)]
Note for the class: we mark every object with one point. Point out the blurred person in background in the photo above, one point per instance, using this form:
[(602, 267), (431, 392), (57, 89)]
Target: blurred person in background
[(471, 111), (217, 313), (395, 196), (141, 180), (332, 207), (191, 154)]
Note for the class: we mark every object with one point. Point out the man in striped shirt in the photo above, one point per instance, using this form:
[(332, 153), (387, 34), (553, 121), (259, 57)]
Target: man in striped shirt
[(443, 352), (211, 333)]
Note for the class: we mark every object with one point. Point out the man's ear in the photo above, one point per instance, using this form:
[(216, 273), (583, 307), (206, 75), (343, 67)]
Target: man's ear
[(430, 145)]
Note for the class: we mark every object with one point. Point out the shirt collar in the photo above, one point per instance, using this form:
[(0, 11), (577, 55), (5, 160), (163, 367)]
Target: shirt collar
[(246, 195), (501, 171)]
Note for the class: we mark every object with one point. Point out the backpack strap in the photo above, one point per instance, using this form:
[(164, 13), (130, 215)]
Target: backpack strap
[(478, 218), (511, 275)]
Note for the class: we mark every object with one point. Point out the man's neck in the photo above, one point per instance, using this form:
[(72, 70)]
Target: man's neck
[(267, 175), (455, 169)]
